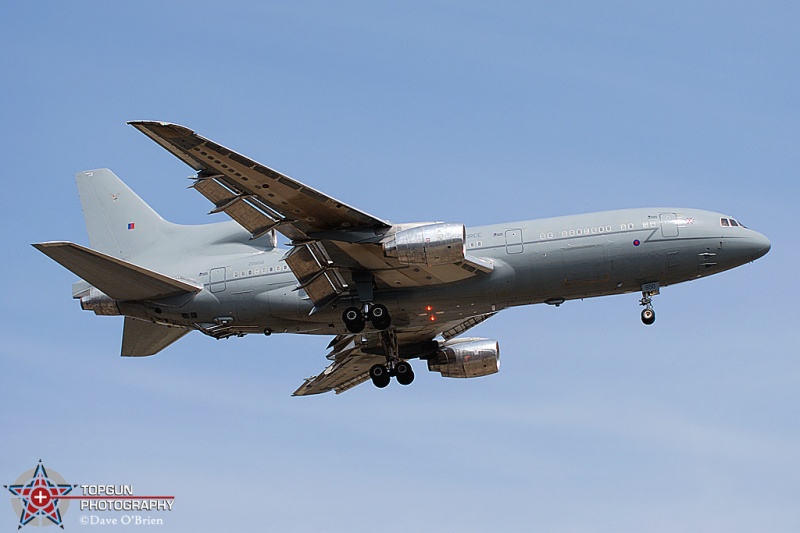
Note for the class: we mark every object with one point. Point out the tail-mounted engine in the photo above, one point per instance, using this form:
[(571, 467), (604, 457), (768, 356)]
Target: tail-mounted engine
[(431, 244), (466, 358), (97, 301)]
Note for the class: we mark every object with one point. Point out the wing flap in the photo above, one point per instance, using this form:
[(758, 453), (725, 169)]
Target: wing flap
[(300, 209), (141, 338), (235, 206), (350, 367), (118, 279)]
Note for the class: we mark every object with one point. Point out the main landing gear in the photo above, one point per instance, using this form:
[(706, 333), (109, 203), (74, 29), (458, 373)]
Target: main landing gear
[(648, 291), (381, 374), (356, 319)]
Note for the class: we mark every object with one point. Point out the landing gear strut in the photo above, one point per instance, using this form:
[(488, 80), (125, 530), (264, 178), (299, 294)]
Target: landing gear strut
[(648, 291), (381, 374), (356, 319)]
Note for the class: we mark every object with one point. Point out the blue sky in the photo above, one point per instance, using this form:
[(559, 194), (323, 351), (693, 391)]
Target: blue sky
[(456, 111)]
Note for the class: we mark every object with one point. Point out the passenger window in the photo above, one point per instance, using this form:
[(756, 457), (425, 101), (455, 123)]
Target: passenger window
[(724, 222)]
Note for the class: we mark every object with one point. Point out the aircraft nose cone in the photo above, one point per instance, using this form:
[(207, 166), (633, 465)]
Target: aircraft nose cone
[(759, 244)]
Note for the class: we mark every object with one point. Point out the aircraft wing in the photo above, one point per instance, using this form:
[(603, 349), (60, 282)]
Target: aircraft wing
[(350, 367), (354, 355), (256, 196), (331, 239)]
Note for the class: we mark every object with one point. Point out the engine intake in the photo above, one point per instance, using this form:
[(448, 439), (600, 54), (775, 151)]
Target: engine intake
[(432, 244), (466, 358)]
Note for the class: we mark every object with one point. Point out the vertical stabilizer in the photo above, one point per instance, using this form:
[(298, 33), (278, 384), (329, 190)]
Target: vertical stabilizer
[(119, 223)]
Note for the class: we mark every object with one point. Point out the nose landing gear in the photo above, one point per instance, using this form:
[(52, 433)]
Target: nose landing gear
[(648, 291)]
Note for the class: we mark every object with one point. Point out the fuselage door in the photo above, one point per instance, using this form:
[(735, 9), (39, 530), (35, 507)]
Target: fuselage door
[(216, 279), (244, 306), (669, 224), (514, 241)]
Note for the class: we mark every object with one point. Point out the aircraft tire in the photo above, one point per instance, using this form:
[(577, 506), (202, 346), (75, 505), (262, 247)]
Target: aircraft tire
[(380, 317), (404, 373), (648, 316), (353, 320), (380, 376)]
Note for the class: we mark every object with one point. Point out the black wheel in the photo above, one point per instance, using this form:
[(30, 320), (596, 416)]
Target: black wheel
[(404, 373), (379, 316), (380, 376), (648, 316), (353, 320)]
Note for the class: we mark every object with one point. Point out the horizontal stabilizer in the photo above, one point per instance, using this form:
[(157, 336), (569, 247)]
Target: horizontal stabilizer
[(141, 338), (118, 279)]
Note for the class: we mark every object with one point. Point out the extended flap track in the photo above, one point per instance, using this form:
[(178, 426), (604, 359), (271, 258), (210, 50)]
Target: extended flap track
[(458, 329), (244, 208), (316, 273)]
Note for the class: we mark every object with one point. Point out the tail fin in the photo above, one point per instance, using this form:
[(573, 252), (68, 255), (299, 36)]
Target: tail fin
[(119, 222)]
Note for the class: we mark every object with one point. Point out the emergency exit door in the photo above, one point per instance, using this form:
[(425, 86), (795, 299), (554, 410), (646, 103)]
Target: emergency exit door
[(669, 224), (216, 279), (514, 241)]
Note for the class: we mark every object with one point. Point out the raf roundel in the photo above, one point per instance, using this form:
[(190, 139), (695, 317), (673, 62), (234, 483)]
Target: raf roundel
[(636, 242)]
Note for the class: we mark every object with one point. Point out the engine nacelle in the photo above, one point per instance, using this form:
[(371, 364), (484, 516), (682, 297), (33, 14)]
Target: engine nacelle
[(432, 244), (466, 358), (97, 301)]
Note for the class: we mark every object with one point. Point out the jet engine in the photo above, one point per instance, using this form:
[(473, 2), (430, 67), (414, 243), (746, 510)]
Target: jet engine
[(97, 301), (431, 244), (466, 358)]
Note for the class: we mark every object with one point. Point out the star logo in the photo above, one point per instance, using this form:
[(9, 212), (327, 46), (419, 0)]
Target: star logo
[(36, 495)]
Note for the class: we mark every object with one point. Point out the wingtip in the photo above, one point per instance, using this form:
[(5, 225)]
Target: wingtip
[(156, 125), (50, 244), (136, 123)]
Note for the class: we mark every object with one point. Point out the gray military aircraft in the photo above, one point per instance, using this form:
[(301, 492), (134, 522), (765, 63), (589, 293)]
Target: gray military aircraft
[(387, 292)]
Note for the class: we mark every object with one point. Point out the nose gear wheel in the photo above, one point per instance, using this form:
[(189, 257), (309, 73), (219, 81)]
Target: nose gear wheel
[(648, 291)]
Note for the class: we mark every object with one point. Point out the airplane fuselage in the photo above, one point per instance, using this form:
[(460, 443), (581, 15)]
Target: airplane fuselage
[(536, 261)]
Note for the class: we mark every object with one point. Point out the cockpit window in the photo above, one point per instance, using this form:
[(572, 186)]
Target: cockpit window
[(729, 222)]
